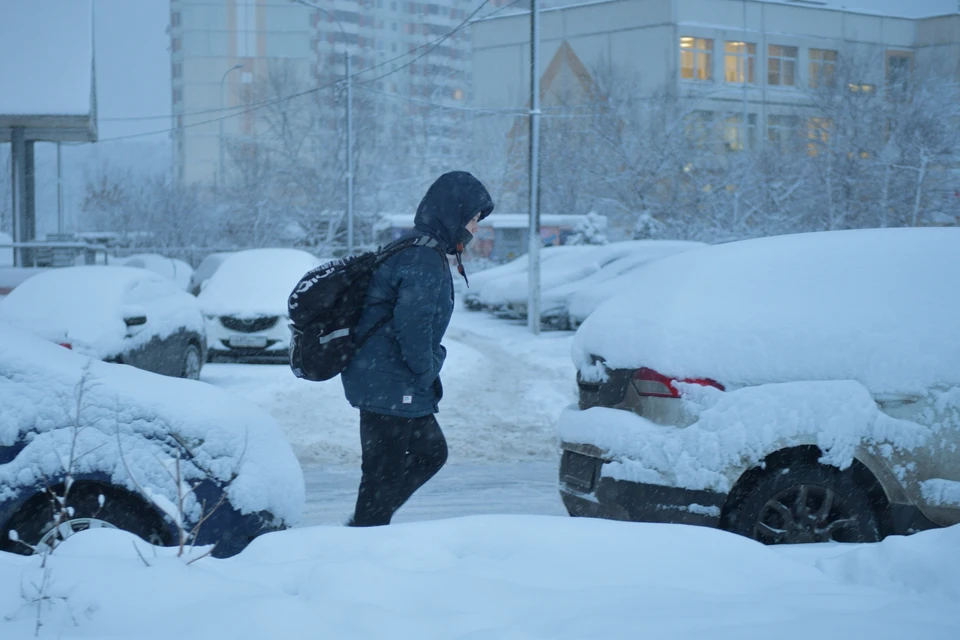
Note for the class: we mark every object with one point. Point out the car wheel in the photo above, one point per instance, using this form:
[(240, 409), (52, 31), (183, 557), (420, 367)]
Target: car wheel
[(34, 522), (804, 504), (192, 362)]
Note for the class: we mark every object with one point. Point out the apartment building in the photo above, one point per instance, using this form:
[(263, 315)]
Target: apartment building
[(221, 48), (748, 64)]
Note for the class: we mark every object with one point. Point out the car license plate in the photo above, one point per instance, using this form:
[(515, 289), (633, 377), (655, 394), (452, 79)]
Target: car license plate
[(248, 341), (580, 470)]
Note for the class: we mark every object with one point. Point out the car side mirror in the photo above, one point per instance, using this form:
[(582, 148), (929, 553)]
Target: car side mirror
[(135, 321)]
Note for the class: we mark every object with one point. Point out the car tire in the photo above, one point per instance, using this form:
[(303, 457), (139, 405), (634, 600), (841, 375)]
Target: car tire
[(192, 362), (806, 504), (33, 522)]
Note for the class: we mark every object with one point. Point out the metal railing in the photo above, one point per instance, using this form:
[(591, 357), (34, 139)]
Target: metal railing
[(56, 254)]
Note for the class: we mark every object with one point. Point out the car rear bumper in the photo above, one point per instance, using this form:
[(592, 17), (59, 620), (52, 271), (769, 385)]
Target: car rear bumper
[(585, 492)]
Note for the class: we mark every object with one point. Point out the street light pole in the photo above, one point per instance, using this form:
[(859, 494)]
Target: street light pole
[(219, 181), (349, 82), (533, 302)]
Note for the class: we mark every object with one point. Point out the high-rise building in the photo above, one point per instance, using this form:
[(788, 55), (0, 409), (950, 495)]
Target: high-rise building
[(401, 59)]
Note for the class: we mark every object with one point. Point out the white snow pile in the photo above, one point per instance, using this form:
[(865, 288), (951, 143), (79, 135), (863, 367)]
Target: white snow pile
[(124, 418), (256, 282), (488, 578), (736, 430), (173, 269), (877, 306), (86, 307)]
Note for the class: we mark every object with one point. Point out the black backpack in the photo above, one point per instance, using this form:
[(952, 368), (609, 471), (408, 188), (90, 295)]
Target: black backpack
[(325, 307)]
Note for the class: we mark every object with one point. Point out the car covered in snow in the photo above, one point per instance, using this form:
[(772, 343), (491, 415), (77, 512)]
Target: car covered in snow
[(119, 314), (507, 274), (164, 458), (601, 266), (245, 304), (790, 389), (207, 267), (174, 269)]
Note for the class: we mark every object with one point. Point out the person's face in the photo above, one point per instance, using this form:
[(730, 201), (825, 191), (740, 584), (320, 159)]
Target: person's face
[(474, 225)]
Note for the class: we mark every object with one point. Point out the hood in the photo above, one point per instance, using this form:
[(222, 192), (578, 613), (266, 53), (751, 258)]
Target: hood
[(448, 206)]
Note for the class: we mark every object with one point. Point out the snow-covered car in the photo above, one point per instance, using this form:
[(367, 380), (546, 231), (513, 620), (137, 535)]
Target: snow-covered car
[(156, 456), (245, 304), (207, 267), (790, 389), (174, 269), (118, 314), (510, 282), (611, 262)]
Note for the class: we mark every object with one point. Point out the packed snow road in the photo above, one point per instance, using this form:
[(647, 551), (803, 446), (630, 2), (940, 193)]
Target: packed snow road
[(504, 389)]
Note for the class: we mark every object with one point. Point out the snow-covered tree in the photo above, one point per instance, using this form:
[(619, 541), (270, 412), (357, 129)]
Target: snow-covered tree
[(592, 229)]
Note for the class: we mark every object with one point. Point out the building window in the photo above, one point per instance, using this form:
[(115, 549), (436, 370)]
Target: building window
[(823, 67), (458, 94), (175, 19), (176, 70), (865, 89), (735, 137), (899, 68), (818, 134), (175, 44), (739, 61), (696, 58), (698, 127), (177, 96), (781, 65), (782, 131)]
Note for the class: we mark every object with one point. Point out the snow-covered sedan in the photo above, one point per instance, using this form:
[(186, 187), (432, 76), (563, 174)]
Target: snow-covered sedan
[(245, 304), (119, 314), (87, 444), (791, 389)]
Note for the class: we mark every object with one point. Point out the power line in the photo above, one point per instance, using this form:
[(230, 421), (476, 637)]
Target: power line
[(433, 44)]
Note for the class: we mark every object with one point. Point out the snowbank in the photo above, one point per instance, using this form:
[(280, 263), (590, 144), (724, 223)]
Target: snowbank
[(256, 282), (42, 385), (488, 578), (736, 430), (178, 271), (877, 306), (86, 307)]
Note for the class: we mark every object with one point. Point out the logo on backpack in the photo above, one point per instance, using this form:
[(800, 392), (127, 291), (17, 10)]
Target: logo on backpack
[(325, 308)]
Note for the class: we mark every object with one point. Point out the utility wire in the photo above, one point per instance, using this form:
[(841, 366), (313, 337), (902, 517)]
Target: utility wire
[(433, 44)]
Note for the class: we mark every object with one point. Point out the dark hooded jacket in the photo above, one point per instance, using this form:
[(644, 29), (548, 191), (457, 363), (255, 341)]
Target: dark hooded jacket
[(397, 370)]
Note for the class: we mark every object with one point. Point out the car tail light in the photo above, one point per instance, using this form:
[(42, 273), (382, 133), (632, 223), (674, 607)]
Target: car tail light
[(66, 344), (651, 383)]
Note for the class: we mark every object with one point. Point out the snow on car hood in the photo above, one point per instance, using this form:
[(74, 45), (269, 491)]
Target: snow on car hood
[(86, 307), (256, 282), (879, 306), (46, 390)]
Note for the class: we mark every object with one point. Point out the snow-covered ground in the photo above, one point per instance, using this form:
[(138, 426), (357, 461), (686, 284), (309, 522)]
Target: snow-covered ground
[(504, 390), (489, 578)]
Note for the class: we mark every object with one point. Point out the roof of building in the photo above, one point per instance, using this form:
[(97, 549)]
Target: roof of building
[(47, 80), (912, 9)]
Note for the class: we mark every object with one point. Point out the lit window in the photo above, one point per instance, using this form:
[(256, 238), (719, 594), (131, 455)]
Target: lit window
[(823, 67), (782, 131), (458, 94), (818, 134), (696, 58), (739, 61), (736, 137), (861, 88), (781, 65)]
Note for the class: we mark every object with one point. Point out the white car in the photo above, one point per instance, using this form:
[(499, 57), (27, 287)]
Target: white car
[(511, 282), (796, 388), (614, 263), (245, 304), (113, 313), (207, 267), (122, 448), (173, 269)]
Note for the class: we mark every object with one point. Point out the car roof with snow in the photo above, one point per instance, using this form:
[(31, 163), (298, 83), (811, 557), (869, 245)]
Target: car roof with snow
[(88, 305), (879, 306), (256, 282), (45, 389)]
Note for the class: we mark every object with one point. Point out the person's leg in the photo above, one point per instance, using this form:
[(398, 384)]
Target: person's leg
[(384, 440), (426, 455)]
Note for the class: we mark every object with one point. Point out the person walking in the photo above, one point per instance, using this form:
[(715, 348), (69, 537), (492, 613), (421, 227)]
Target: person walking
[(394, 378)]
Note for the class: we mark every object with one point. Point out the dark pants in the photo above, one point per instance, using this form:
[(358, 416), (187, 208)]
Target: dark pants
[(399, 456)]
